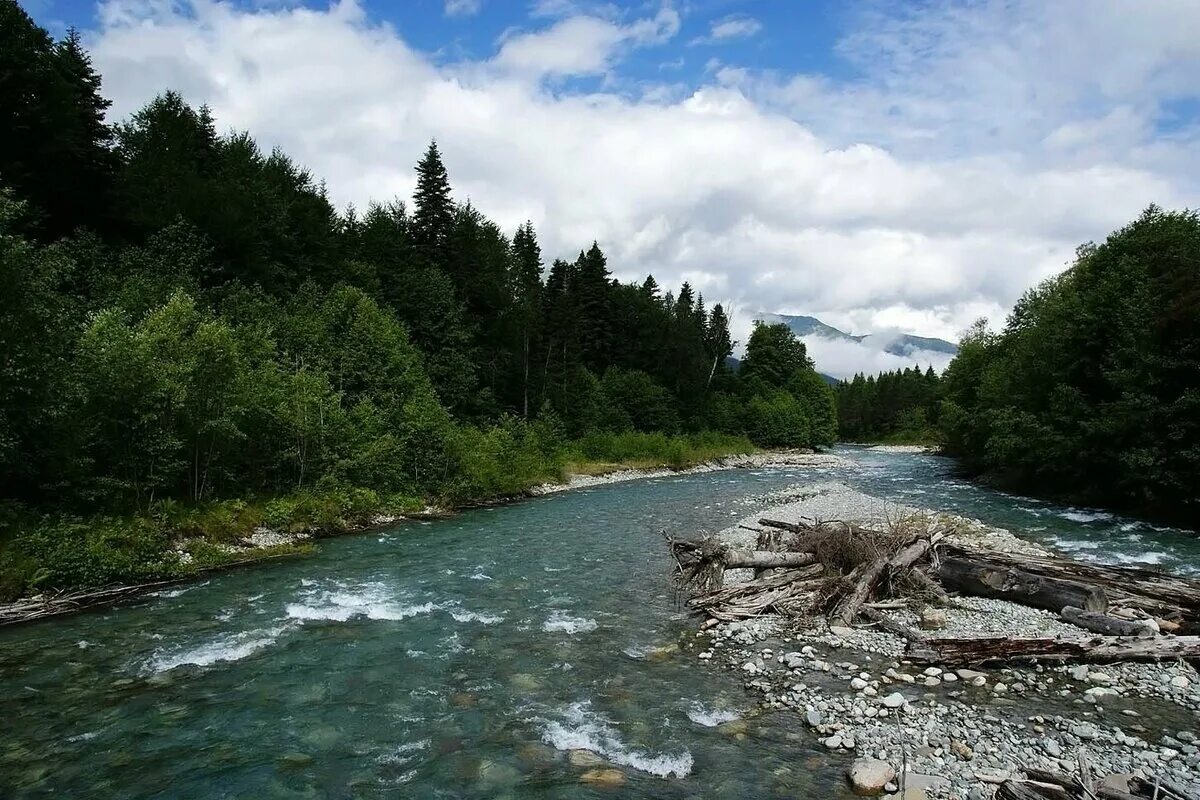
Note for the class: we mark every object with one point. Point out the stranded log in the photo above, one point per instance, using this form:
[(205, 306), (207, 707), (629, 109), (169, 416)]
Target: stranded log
[(1108, 625), (970, 576), (764, 559), (864, 577), (1095, 648)]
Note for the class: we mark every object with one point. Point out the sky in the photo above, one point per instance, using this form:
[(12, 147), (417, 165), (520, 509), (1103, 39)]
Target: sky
[(883, 166)]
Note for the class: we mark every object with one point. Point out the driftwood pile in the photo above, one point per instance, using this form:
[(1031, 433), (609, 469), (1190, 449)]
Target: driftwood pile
[(1084, 785), (848, 572)]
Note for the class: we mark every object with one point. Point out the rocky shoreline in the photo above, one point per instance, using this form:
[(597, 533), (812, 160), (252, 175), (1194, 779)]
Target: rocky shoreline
[(777, 458), (946, 733)]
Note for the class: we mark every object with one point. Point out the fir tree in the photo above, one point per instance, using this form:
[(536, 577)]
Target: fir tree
[(433, 216)]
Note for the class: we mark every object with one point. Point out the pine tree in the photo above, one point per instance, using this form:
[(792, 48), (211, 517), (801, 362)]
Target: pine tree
[(593, 293), (433, 217), (54, 145), (527, 291), (717, 342)]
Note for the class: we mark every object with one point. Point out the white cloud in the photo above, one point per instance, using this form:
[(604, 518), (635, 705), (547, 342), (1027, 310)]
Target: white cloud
[(931, 191), (581, 45), (735, 26), (463, 8)]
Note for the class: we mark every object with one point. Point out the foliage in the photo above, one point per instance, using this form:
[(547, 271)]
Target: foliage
[(1091, 389), (195, 342), (901, 406)]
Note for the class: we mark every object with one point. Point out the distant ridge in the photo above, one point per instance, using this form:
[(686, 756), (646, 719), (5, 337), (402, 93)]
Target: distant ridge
[(902, 344)]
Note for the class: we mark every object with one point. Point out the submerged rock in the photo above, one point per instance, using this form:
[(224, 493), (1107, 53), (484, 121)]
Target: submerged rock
[(584, 758), (603, 777)]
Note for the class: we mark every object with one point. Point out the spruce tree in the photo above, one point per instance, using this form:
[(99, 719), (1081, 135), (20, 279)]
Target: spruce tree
[(433, 216), (527, 291)]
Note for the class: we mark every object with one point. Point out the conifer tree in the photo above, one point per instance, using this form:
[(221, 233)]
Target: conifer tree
[(433, 215), (527, 291)]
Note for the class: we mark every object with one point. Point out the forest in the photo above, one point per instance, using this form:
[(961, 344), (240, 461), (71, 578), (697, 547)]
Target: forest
[(197, 342), (901, 406), (1092, 389)]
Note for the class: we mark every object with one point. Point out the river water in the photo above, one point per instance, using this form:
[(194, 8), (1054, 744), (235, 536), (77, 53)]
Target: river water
[(458, 659)]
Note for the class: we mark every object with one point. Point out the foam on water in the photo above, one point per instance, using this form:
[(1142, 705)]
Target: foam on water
[(168, 593), (462, 615), (561, 622), (1084, 516), (225, 648), (583, 729), (710, 717), (370, 600), (405, 752)]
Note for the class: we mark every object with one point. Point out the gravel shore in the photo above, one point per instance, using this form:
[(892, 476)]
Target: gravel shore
[(958, 732), (785, 458)]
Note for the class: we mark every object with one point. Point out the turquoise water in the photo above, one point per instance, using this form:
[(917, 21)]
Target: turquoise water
[(455, 659)]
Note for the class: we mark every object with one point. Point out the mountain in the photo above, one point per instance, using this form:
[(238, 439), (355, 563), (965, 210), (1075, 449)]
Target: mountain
[(898, 344)]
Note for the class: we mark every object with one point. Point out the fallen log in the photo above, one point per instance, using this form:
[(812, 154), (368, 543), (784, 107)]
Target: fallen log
[(977, 577), (864, 577), (1164, 596), (890, 625), (1163, 788), (1031, 790), (794, 527), (1095, 648), (764, 559), (1108, 625)]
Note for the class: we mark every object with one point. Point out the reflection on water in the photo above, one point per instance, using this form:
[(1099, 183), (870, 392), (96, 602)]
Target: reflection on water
[(461, 658)]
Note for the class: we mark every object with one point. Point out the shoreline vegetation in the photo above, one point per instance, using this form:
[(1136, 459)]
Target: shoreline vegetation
[(199, 346), (74, 558)]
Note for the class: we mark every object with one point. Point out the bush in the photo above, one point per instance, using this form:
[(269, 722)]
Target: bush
[(71, 554)]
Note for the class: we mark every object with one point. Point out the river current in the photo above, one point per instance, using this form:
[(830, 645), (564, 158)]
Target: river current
[(461, 658)]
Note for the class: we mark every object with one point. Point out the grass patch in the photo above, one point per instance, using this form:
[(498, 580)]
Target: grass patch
[(601, 453)]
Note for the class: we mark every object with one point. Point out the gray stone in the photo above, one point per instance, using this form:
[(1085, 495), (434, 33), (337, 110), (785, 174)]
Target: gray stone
[(893, 700), (870, 775)]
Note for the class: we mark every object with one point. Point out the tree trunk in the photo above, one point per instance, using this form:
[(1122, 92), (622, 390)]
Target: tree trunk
[(1163, 595), (1108, 625), (764, 559), (866, 575), (970, 576), (1095, 648)]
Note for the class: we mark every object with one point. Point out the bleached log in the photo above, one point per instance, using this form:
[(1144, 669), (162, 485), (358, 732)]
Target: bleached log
[(1016, 648), (764, 559)]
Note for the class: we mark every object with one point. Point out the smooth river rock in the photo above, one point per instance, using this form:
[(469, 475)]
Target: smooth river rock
[(870, 775)]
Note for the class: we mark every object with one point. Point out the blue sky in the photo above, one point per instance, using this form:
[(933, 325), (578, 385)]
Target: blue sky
[(880, 165), (774, 34)]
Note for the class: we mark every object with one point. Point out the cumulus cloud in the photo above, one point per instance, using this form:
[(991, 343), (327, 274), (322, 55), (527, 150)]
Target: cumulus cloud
[(582, 45), (920, 196)]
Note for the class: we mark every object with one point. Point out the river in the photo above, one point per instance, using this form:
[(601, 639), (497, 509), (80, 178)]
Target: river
[(460, 658)]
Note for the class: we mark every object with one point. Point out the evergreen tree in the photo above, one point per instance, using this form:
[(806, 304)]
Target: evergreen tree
[(433, 217), (54, 143), (527, 290)]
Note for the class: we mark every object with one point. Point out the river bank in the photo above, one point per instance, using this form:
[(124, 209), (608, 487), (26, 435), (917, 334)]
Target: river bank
[(952, 732), (197, 557)]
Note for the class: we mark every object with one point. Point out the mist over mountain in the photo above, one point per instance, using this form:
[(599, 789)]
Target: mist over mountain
[(842, 354)]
